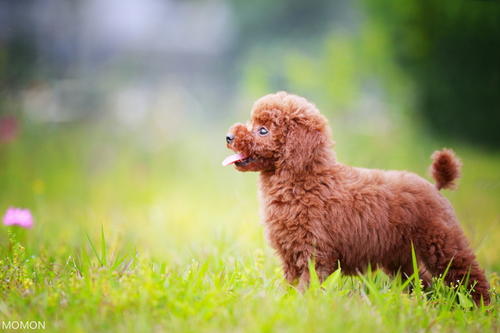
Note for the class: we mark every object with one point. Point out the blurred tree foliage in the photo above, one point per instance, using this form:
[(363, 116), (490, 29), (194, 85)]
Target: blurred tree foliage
[(17, 63), (451, 48), (17, 54), (17, 66)]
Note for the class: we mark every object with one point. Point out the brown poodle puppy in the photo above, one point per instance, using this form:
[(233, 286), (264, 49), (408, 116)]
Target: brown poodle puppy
[(316, 208)]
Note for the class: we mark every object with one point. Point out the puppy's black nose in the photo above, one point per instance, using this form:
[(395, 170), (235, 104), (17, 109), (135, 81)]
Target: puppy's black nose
[(229, 138)]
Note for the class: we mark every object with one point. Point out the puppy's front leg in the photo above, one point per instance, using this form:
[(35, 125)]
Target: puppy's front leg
[(296, 270), (291, 273), (323, 270), (304, 281)]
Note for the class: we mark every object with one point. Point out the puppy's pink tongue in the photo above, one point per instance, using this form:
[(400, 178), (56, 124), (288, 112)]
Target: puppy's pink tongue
[(232, 159)]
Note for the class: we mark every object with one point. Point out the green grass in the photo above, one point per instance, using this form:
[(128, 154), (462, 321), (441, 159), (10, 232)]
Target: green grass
[(140, 233)]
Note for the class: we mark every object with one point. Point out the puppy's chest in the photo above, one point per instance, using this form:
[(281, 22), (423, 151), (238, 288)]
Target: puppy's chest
[(290, 212)]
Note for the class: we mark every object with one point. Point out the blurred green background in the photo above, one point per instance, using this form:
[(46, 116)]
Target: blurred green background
[(113, 113)]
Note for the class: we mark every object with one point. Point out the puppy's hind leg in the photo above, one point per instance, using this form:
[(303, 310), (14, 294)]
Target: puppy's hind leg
[(405, 269), (442, 246)]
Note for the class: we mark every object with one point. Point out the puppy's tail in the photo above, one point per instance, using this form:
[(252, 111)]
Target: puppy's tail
[(445, 168)]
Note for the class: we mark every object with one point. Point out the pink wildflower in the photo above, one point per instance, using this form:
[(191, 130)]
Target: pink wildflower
[(18, 216)]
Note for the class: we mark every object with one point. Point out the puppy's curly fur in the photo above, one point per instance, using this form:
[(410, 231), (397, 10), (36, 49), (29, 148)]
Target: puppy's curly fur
[(317, 208)]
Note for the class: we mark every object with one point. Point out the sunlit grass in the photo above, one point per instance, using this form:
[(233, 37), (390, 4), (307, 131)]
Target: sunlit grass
[(158, 236)]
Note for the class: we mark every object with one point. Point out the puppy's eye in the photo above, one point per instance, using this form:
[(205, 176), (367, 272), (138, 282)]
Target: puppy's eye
[(263, 131)]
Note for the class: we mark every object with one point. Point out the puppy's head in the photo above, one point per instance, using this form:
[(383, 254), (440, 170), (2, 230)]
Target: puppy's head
[(286, 132)]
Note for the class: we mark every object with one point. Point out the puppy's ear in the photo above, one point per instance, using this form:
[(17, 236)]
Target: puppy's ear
[(306, 148)]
